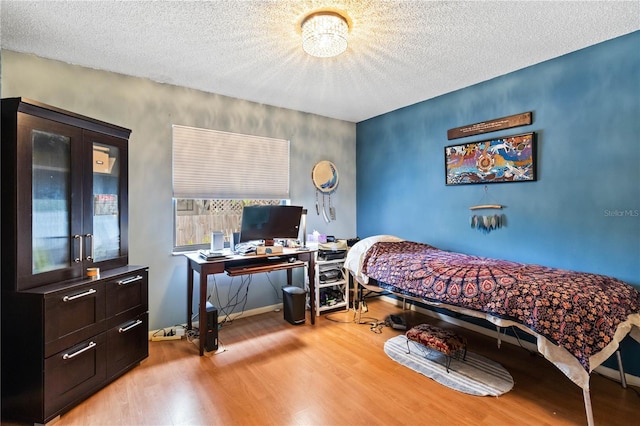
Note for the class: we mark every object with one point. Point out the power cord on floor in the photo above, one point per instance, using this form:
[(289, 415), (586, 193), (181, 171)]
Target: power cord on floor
[(331, 316), (193, 337), (375, 325)]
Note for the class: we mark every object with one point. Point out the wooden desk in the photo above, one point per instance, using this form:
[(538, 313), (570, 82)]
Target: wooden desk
[(242, 265)]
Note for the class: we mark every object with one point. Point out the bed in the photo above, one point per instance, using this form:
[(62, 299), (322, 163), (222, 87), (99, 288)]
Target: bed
[(577, 318)]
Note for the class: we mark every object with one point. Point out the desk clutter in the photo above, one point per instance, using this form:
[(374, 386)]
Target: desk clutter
[(331, 275), (245, 248), (215, 254), (331, 250)]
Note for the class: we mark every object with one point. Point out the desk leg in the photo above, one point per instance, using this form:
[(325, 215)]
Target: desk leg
[(202, 312), (189, 294), (312, 285)]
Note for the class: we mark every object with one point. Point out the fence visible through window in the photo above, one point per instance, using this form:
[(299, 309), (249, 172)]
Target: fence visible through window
[(196, 219)]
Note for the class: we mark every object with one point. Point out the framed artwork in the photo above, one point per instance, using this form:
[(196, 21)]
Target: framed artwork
[(504, 159)]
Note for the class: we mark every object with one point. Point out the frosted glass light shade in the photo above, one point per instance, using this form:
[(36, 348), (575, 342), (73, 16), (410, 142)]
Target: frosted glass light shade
[(324, 34)]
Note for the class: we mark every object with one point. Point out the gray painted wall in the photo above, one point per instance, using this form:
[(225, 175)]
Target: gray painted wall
[(149, 109)]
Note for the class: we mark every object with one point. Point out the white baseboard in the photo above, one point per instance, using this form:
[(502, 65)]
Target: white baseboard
[(233, 316), (611, 373)]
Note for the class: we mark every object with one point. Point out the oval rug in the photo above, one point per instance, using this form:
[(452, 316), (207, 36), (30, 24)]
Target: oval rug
[(476, 375)]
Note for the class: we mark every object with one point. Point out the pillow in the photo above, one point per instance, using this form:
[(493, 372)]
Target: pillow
[(356, 254)]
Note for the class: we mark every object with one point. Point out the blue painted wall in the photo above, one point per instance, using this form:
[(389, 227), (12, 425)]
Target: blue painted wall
[(583, 212)]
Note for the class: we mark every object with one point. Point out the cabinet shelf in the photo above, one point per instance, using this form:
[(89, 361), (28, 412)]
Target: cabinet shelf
[(322, 308), (330, 284), (337, 291), (330, 262)]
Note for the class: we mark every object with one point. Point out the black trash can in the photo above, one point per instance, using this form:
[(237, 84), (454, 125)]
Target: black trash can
[(294, 300)]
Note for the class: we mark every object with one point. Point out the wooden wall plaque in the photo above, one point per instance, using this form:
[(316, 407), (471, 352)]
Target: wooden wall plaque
[(490, 126)]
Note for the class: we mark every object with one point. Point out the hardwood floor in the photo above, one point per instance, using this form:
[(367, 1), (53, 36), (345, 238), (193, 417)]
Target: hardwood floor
[(334, 373)]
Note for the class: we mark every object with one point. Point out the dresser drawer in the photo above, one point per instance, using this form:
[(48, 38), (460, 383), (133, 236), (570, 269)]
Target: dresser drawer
[(127, 344), (127, 296), (72, 315), (72, 374)]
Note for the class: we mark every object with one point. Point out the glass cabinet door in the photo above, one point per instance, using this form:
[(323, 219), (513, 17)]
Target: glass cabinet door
[(49, 188), (104, 228), (51, 203), (105, 199)]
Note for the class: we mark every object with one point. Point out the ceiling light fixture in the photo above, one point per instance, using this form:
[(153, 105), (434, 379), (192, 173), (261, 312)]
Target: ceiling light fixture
[(324, 34)]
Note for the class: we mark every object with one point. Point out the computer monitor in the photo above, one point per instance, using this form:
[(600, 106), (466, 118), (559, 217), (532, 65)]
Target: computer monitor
[(270, 222)]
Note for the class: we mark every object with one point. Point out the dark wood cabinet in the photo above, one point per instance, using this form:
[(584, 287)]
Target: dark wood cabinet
[(64, 194), (72, 374), (72, 314), (127, 344), (65, 334)]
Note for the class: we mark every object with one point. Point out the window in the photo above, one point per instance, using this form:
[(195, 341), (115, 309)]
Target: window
[(215, 174), (195, 219)]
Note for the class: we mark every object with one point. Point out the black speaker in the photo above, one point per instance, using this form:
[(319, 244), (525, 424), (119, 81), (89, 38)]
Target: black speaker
[(211, 329), (294, 300)]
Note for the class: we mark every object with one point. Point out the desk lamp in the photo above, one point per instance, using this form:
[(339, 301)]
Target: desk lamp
[(303, 220)]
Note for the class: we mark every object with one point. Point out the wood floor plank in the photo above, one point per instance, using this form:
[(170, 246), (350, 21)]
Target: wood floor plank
[(269, 372)]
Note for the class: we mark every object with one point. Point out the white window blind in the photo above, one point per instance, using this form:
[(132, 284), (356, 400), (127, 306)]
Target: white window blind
[(210, 164)]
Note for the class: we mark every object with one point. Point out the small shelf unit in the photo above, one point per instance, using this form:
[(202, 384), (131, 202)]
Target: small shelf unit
[(332, 285)]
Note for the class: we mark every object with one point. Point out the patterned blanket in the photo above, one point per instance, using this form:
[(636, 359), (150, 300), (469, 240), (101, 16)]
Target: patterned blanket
[(577, 311)]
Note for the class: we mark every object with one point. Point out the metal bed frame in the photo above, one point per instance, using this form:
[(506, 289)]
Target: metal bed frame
[(498, 322)]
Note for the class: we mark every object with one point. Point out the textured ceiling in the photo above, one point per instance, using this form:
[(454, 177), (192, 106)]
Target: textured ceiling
[(400, 52)]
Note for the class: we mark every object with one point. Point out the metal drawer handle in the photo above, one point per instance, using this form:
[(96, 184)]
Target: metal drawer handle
[(77, 296), (89, 346), (135, 324), (130, 280)]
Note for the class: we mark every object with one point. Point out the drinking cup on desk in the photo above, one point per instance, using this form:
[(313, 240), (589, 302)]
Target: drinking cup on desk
[(93, 272), (217, 241), (236, 240)]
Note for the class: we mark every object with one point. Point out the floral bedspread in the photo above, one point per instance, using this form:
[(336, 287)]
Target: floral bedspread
[(575, 310)]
